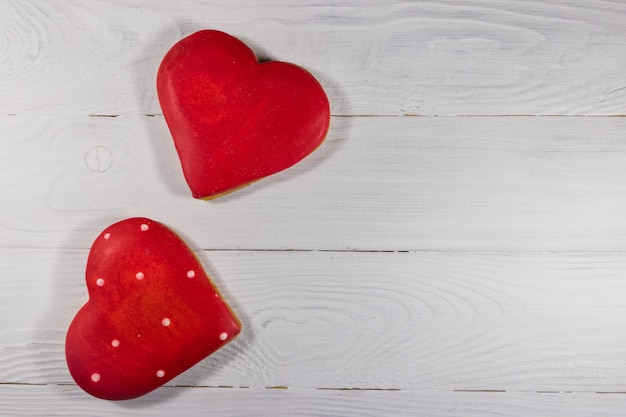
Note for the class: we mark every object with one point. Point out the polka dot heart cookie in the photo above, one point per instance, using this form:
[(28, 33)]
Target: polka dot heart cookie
[(235, 120), (152, 312)]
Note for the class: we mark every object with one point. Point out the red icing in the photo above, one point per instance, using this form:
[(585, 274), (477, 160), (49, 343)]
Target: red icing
[(235, 120), (152, 312)]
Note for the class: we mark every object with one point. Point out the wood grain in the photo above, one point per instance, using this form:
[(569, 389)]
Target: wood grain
[(484, 57), (410, 321), (16, 401), (380, 183)]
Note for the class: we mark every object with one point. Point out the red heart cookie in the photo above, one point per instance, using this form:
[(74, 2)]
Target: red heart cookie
[(235, 120), (152, 312)]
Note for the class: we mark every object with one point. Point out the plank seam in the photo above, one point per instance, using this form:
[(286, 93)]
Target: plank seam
[(341, 251), (352, 389), (116, 115)]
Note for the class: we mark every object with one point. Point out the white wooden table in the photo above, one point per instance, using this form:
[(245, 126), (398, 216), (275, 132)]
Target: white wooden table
[(446, 252)]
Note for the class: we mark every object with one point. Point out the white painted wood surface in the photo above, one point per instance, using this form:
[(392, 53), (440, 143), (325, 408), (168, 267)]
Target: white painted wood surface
[(472, 264), (391, 57)]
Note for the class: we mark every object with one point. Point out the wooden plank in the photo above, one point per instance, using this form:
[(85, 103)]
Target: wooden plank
[(416, 321), (483, 57), (422, 266), (379, 183), (17, 401)]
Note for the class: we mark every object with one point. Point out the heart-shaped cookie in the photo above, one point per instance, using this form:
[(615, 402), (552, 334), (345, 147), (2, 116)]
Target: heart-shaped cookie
[(152, 312), (235, 120)]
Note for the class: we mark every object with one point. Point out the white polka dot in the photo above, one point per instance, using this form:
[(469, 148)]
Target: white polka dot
[(107, 236), (223, 336), (166, 322), (100, 282), (160, 373), (115, 343), (191, 273), (144, 227), (95, 377), (139, 275)]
